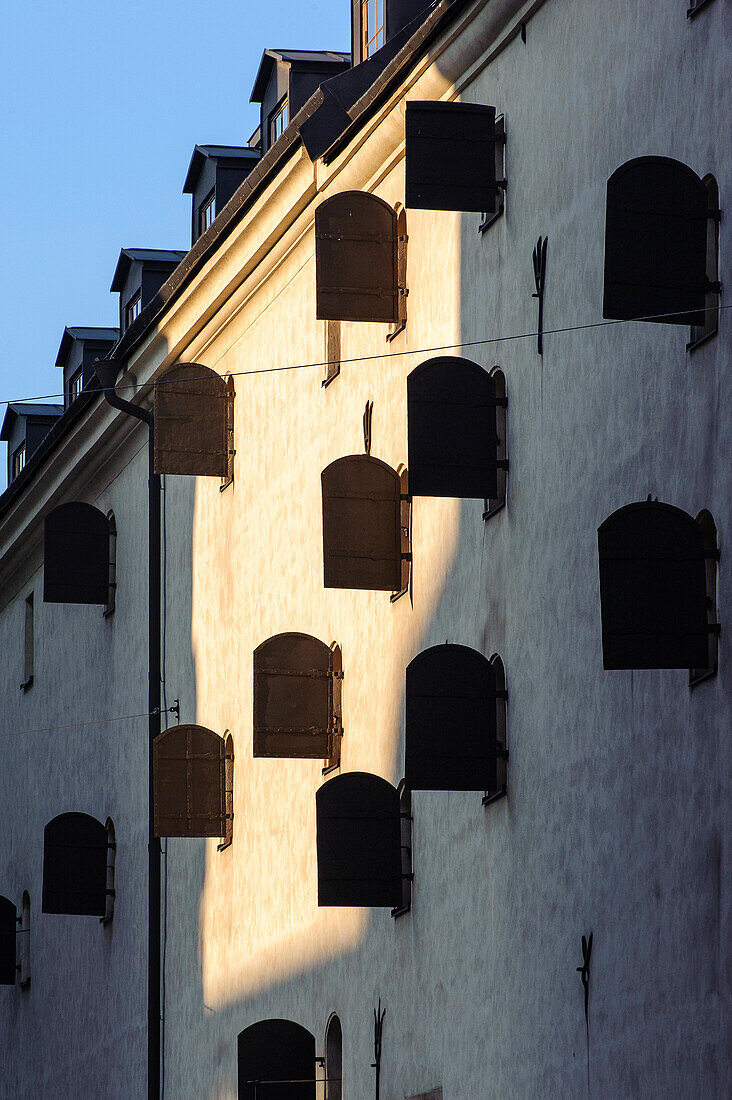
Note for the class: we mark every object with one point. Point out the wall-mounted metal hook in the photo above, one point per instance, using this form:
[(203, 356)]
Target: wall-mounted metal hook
[(584, 973), (539, 258), (367, 414), (379, 1014)]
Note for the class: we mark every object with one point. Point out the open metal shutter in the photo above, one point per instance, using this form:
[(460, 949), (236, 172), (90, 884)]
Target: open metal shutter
[(361, 524), (655, 242), (191, 412), (189, 782), (75, 865), (293, 697), (276, 1061), (358, 842), (356, 274), (8, 934), (453, 443), (76, 555), (653, 588), (450, 156), (450, 721)]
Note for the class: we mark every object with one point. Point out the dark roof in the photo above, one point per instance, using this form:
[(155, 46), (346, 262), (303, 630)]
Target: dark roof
[(96, 335), (129, 255), (222, 152), (271, 57), (23, 408)]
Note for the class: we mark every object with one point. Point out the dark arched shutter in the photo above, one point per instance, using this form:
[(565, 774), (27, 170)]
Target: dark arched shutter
[(655, 242), (358, 841), (276, 1061), (356, 274), (8, 931), (451, 721), (76, 555), (75, 865), (653, 588), (293, 697), (361, 524), (453, 442), (189, 782), (191, 413), (450, 156)]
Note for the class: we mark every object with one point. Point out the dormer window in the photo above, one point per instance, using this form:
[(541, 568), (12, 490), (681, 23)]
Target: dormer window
[(372, 26), (133, 309), (278, 120), (18, 460), (75, 383), (207, 213)]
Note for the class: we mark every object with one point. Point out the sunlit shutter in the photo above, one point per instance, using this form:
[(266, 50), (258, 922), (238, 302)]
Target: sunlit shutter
[(453, 443), (655, 242), (653, 588), (450, 721), (76, 555), (361, 524), (276, 1061), (189, 782), (191, 410), (356, 259), (75, 865), (358, 842), (8, 931), (293, 697), (450, 156)]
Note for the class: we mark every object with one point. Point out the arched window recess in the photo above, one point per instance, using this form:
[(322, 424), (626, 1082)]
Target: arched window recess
[(75, 865), (193, 422), (276, 1061), (190, 783), (333, 1059)]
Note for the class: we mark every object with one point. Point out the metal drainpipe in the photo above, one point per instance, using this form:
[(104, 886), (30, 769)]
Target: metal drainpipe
[(107, 374)]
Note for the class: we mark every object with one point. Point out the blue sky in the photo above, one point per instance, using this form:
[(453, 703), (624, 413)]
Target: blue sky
[(102, 104)]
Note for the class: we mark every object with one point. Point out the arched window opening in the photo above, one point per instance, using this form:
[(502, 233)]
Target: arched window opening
[(493, 504), (356, 259), (501, 773), (358, 842), (334, 1059), (276, 1061), (23, 942), (111, 858), (75, 866), (296, 703), (112, 591), (8, 946), (708, 324), (228, 791), (653, 588), (711, 566), (362, 525), (76, 548), (451, 730), (450, 156), (189, 781), (405, 827), (656, 243), (193, 421)]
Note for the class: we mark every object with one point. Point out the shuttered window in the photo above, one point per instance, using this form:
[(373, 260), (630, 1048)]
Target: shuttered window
[(356, 259), (362, 539), (450, 156), (358, 842), (75, 865), (653, 588), (294, 699), (191, 421), (189, 774), (452, 428), (276, 1061), (656, 242), (451, 728), (76, 555), (8, 929)]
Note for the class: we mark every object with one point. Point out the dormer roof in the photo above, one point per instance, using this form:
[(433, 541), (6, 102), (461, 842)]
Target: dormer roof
[(271, 57), (24, 408), (128, 256), (95, 335), (244, 153)]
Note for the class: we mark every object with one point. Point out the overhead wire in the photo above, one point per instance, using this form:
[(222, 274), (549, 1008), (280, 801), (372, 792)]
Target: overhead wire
[(77, 725)]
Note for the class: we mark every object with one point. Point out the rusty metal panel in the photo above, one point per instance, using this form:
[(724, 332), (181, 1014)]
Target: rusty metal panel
[(653, 588), (8, 938), (450, 156), (76, 547), (655, 242), (356, 266), (361, 524), (293, 698), (75, 865), (191, 421), (189, 782), (276, 1061), (359, 842)]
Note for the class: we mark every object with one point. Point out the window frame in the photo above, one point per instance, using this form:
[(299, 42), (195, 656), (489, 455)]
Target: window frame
[(207, 206), (133, 309), (501, 733), (19, 460), (76, 384), (380, 29), (699, 334), (275, 124), (501, 179)]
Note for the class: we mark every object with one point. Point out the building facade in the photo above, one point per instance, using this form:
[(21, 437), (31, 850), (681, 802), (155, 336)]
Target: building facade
[(611, 814)]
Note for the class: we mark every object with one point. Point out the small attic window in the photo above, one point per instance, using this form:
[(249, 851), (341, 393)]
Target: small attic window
[(18, 460), (278, 120), (372, 26), (75, 385), (134, 306), (206, 214)]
